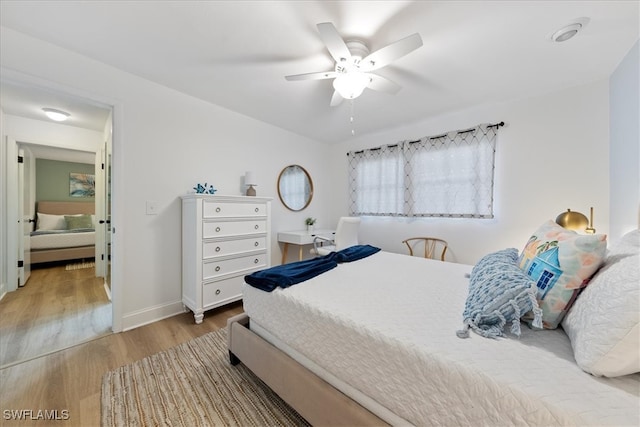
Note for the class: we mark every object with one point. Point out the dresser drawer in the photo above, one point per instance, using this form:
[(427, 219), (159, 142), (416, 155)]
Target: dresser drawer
[(213, 209), (215, 293), (232, 247), (232, 228), (215, 268)]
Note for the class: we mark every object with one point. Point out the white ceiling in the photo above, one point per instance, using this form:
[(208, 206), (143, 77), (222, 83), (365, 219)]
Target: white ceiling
[(236, 53), (28, 101)]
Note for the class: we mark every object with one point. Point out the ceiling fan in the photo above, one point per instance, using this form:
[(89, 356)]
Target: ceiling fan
[(354, 64)]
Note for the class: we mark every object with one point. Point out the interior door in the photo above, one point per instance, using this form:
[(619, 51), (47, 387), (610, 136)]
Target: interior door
[(13, 230), (103, 213), (26, 212), (107, 239), (100, 209)]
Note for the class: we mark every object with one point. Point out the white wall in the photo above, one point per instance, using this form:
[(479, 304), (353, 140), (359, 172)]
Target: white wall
[(164, 142), (624, 113), (551, 155), (58, 135)]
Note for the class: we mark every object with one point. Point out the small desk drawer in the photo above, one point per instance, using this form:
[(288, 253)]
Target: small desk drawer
[(232, 228), (211, 209), (232, 247), (212, 269)]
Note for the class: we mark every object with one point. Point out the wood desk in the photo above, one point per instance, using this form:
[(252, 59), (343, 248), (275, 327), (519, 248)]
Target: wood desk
[(301, 238)]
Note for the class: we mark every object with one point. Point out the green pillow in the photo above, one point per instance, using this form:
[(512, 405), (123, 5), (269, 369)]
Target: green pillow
[(75, 222)]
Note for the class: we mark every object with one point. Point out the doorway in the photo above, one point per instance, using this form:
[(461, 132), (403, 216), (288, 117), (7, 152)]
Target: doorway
[(57, 307)]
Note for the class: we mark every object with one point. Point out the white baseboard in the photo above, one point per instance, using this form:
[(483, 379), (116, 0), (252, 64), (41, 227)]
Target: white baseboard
[(150, 315)]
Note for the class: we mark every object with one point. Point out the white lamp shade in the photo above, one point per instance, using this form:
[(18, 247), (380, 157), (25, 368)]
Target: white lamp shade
[(350, 85), (249, 179)]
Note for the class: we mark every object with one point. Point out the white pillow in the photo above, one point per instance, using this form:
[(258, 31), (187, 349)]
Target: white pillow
[(603, 324), (51, 222)]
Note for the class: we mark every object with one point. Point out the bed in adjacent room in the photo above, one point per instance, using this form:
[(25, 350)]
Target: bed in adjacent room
[(64, 231), (375, 341)]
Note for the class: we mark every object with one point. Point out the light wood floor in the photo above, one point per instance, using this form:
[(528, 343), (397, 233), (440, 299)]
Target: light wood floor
[(56, 309), (71, 379)]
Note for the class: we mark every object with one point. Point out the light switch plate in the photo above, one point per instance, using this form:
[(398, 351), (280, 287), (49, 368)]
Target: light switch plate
[(152, 207)]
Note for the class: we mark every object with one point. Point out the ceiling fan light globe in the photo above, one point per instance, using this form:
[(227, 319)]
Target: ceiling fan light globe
[(351, 85)]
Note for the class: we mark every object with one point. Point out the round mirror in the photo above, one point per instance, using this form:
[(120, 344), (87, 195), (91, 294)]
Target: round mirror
[(295, 187)]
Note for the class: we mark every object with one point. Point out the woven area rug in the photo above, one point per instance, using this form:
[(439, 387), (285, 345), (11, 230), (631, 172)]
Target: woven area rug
[(192, 384), (80, 265)]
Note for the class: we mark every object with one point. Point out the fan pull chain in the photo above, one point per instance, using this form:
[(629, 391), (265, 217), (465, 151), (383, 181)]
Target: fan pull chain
[(353, 131)]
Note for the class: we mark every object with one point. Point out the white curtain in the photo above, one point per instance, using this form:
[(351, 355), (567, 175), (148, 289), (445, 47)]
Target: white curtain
[(375, 175), (449, 175)]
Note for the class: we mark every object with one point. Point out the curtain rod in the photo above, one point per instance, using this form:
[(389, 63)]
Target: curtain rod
[(495, 125)]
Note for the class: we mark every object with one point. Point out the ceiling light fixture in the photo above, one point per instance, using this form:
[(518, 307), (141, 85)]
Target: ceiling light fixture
[(351, 84), (569, 30), (57, 115)]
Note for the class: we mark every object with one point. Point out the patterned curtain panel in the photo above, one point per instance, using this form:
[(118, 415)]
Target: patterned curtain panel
[(449, 175)]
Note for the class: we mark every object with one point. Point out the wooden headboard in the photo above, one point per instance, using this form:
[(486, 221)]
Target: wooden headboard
[(65, 208)]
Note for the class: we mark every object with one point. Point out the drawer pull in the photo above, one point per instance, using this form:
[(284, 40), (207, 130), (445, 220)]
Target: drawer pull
[(217, 229), (218, 209), (217, 291), (256, 244), (255, 261), (218, 268), (256, 226), (218, 249), (257, 210)]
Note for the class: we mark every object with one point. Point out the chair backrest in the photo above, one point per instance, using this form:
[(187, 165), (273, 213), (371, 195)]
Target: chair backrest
[(432, 247), (347, 232)]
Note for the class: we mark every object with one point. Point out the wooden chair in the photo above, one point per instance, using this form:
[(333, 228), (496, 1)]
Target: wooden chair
[(431, 246)]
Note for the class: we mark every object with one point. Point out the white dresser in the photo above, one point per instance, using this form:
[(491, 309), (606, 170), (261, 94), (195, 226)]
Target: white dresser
[(223, 239)]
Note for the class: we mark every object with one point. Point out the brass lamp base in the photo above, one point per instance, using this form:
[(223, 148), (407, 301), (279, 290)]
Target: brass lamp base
[(251, 191)]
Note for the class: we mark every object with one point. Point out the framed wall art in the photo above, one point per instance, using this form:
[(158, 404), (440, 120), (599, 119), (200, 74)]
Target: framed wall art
[(82, 185)]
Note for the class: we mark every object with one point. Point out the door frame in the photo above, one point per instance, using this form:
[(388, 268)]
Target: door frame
[(117, 211)]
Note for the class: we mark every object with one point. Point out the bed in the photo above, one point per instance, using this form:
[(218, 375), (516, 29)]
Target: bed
[(53, 241), (374, 342)]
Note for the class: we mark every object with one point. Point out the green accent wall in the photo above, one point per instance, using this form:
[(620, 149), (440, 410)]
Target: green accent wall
[(52, 180)]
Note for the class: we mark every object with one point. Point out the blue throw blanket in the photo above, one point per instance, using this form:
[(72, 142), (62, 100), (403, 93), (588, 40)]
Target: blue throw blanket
[(286, 275), (355, 253)]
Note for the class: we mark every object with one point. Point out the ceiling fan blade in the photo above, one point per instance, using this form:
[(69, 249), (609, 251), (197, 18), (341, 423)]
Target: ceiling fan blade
[(336, 99), (312, 76), (390, 53), (382, 84), (334, 43)]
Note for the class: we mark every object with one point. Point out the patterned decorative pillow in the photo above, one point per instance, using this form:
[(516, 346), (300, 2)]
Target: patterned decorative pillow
[(499, 292), (604, 323), (560, 262)]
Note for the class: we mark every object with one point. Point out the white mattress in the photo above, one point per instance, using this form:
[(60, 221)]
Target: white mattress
[(386, 327), (63, 240)]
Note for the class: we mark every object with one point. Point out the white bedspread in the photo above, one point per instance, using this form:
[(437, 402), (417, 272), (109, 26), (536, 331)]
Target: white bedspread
[(385, 325), (63, 240)]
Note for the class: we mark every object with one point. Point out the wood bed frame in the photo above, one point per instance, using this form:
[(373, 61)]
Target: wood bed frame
[(62, 254), (316, 400)]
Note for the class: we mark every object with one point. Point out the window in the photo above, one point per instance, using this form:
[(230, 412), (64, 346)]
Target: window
[(448, 175), (544, 280)]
